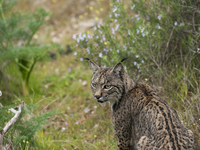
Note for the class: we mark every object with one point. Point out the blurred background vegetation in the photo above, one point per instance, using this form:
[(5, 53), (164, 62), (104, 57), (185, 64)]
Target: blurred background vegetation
[(42, 46)]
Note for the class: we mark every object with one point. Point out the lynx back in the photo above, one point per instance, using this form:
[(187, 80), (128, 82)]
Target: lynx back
[(141, 120)]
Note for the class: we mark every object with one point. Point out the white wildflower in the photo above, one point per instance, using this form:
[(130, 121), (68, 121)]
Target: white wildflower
[(88, 50), (132, 7), (75, 53), (74, 36), (84, 35), (138, 31), (125, 48), (175, 23), (117, 27), (117, 51), (115, 9), (113, 31), (137, 56), (137, 16), (0, 93), (100, 55), (159, 17), (95, 107), (129, 32), (143, 34), (86, 110), (81, 59), (104, 37), (96, 125)]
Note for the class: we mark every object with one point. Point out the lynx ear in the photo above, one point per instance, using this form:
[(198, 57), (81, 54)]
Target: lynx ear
[(93, 65), (118, 69)]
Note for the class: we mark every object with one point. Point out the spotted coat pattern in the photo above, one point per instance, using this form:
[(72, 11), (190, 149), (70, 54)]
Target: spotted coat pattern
[(141, 120)]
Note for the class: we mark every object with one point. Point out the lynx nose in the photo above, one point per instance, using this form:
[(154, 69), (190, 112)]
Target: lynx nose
[(97, 97)]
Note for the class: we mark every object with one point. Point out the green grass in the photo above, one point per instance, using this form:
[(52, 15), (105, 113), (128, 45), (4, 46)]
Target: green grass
[(83, 123), (54, 88)]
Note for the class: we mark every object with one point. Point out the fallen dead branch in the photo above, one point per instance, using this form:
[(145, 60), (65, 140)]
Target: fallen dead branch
[(8, 126)]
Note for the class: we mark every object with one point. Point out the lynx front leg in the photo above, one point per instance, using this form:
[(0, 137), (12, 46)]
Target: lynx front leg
[(123, 134)]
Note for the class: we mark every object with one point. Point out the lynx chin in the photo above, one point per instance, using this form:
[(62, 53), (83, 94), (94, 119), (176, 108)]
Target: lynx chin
[(141, 120)]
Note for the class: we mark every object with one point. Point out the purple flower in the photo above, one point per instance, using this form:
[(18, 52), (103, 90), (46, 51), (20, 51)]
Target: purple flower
[(69, 70), (66, 123)]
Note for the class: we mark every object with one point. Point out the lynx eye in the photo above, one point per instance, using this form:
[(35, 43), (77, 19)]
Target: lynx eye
[(107, 86), (94, 84)]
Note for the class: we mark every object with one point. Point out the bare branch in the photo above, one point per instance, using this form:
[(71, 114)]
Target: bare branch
[(14, 119)]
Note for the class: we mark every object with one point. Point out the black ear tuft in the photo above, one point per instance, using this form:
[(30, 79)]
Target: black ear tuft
[(95, 67), (86, 58), (124, 59)]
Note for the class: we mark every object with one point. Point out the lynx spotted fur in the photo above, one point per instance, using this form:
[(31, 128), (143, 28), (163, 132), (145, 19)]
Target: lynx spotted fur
[(141, 120)]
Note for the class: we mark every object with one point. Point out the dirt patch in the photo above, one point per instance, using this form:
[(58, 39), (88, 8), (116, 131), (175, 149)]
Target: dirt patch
[(68, 17)]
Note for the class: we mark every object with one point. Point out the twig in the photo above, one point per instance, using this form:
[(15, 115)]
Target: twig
[(14, 119), (8, 126)]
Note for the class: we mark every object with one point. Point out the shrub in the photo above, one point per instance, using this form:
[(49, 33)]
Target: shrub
[(161, 39), (19, 52), (151, 33), (23, 133)]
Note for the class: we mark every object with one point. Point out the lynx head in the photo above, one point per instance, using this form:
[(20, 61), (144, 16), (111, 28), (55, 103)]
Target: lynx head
[(107, 83)]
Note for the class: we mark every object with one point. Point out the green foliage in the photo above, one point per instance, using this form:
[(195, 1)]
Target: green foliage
[(151, 34), (17, 46), (161, 39), (23, 132)]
